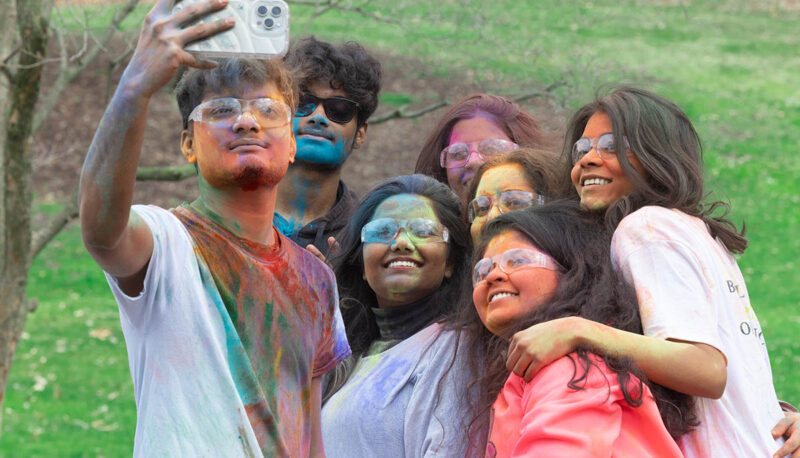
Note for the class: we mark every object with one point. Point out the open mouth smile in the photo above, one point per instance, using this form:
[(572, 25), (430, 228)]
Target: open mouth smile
[(403, 263), (595, 181), (501, 295)]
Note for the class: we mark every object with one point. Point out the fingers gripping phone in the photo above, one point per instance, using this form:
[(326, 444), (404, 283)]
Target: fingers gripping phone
[(261, 30)]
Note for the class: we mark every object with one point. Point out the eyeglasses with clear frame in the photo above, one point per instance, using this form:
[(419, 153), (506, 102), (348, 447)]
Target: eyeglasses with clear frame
[(418, 230), (507, 201), (268, 113), (603, 146), (458, 154), (513, 260)]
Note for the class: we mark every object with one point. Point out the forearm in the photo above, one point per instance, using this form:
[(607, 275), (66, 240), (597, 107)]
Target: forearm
[(109, 171), (691, 368)]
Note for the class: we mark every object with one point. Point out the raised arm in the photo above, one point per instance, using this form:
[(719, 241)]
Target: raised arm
[(115, 237)]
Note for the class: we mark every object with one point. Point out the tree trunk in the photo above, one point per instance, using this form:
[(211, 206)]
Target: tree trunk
[(32, 19)]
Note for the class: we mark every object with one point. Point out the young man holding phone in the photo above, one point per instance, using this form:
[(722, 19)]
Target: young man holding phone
[(339, 87), (229, 325)]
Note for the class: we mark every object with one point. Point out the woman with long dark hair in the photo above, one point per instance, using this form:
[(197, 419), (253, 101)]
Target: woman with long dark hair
[(637, 162), (545, 263), (402, 270)]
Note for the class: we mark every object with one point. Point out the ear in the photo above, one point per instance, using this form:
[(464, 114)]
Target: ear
[(448, 271), (292, 148), (361, 134), (187, 146)]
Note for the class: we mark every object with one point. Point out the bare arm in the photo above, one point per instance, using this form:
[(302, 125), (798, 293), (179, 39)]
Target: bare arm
[(692, 368), (120, 242), (316, 418)]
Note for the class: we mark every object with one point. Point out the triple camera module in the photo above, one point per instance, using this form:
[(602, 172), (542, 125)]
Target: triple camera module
[(270, 15)]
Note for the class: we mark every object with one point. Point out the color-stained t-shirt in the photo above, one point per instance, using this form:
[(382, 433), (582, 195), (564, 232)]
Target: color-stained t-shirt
[(410, 400), (690, 288), (548, 418), (224, 340)]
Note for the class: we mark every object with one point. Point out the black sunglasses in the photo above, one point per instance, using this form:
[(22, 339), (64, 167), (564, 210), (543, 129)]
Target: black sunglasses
[(337, 109)]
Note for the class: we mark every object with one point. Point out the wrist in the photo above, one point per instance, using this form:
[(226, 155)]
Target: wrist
[(578, 330)]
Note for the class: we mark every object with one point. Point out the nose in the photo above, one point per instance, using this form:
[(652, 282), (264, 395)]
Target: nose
[(474, 160), (318, 117), (494, 211), (402, 242), (591, 159), (246, 122), (496, 274)]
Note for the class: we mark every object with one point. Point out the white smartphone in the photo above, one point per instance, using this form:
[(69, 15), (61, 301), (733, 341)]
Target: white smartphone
[(261, 30)]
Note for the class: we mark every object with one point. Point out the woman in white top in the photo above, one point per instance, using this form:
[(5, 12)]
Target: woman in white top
[(637, 160)]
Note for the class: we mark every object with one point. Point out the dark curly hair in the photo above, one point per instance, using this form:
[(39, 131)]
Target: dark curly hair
[(590, 288), (348, 67)]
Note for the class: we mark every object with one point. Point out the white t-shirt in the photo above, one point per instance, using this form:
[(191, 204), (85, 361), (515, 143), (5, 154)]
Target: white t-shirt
[(690, 288), (196, 387)]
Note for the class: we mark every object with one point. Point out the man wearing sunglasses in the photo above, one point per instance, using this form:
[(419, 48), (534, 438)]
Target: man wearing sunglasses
[(338, 91), (229, 325)]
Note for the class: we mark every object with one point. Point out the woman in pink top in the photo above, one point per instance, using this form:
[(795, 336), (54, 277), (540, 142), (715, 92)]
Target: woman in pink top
[(550, 262)]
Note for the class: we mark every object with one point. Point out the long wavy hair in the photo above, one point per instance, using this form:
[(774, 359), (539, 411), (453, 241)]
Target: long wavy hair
[(590, 288), (517, 123), (357, 299), (662, 137)]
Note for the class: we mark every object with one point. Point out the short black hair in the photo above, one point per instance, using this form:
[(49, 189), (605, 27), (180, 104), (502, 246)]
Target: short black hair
[(347, 66)]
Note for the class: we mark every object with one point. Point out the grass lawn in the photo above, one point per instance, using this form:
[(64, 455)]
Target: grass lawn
[(733, 69)]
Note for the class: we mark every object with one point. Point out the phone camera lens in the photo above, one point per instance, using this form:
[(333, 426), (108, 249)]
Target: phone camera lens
[(276, 11), (262, 10), (269, 23)]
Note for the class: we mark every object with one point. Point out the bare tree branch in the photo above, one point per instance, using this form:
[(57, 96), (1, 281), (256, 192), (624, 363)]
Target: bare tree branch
[(322, 7), (67, 75), (403, 113), (176, 173), (43, 236), (546, 92)]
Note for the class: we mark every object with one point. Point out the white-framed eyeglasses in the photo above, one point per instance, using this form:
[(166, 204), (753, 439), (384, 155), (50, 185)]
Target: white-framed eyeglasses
[(418, 230), (603, 145), (511, 261), (268, 113)]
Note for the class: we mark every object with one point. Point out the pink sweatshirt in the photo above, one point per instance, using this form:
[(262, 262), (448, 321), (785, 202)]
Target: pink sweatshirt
[(547, 418)]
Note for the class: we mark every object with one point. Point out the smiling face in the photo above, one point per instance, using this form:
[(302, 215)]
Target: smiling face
[(321, 141), (240, 153), (601, 181), (504, 177), (403, 272), (476, 129), (503, 299)]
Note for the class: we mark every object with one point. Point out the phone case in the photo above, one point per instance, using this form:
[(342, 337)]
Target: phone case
[(261, 30)]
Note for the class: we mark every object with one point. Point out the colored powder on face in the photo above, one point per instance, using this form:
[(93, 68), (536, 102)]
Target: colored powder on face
[(324, 151)]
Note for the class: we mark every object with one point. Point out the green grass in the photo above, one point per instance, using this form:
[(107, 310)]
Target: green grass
[(733, 70)]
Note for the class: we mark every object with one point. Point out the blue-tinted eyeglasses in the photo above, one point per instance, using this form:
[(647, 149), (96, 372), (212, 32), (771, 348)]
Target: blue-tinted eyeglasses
[(418, 230)]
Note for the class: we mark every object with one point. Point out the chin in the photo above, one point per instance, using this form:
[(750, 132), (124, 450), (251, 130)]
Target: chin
[(251, 177)]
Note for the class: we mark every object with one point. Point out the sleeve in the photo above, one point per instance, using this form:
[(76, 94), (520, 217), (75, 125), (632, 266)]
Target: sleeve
[(333, 346), (559, 421), (672, 287), (169, 240), (439, 414)]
